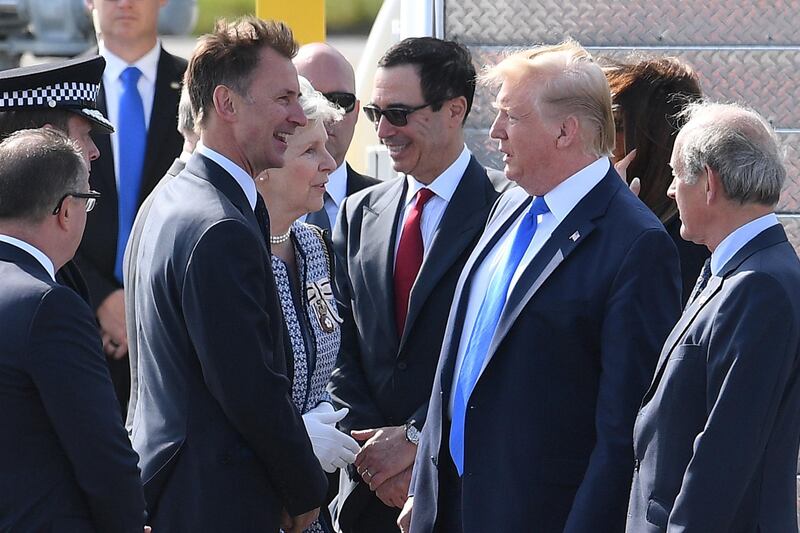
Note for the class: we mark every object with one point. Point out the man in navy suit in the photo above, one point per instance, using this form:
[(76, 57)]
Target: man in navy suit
[(717, 435), (555, 326), (65, 460), (222, 446), (400, 248), (133, 160)]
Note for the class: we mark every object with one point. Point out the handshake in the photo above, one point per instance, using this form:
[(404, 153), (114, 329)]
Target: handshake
[(333, 448)]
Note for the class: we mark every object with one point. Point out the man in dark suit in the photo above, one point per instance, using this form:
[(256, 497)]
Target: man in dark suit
[(331, 74), (65, 461), (555, 325), (717, 435), (74, 113), (144, 109), (414, 231), (222, 447), (186, 127)]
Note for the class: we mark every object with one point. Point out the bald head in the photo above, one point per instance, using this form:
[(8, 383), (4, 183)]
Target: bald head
[(330, 72), (325, 67)]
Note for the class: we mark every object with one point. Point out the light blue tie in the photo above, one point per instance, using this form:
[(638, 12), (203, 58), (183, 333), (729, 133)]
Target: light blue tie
[(131, 137), (485, 326)]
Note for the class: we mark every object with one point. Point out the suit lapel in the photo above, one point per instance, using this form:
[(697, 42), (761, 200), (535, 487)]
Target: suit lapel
[(378, 236), (162, 119), (462, 220), (568, 235), (769, 237), (496, 228), (11, 254)]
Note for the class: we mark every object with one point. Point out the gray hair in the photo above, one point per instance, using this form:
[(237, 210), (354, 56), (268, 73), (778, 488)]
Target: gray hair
[(186, 125), (37, 168), (738, 144), (316, 106)]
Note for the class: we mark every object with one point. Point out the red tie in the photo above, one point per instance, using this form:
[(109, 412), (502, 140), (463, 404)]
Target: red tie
[(409, 259)]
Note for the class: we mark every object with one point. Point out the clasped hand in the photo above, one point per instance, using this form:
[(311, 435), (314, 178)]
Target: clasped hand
[(333, 448), (385, 463)]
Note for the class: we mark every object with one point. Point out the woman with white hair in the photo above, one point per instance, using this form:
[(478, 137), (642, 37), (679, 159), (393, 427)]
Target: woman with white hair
[(302, 260)]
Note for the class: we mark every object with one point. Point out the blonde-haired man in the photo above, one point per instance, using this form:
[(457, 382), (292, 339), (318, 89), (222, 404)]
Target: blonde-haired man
[(556, 322)]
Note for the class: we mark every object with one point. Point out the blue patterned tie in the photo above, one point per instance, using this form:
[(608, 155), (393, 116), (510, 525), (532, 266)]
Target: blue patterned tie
[(132, 137), (485, 326)]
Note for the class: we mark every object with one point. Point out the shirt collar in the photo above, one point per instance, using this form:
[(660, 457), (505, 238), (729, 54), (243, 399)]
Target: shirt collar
[(337, 184), (737, 239), (244, 179), (444, 186), (147, 64), (566, 195), (34, 251)]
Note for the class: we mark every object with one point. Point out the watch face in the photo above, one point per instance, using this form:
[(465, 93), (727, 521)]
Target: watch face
[(412, 434)]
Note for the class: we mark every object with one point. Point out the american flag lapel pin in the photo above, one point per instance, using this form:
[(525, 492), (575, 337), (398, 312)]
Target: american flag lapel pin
[(575, 236)]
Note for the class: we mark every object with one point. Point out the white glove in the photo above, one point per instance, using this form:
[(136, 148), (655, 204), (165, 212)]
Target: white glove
[(333, 448)]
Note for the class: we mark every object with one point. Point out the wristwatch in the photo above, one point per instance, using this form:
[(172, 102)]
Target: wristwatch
[(412, 433)]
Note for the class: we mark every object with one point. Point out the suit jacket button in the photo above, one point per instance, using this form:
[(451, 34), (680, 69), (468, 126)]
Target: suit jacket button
[(434, 461), (636, 464), (402, 365)]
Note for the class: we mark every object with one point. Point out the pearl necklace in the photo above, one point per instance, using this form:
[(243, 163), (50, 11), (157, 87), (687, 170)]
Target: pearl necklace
[(280, 239)]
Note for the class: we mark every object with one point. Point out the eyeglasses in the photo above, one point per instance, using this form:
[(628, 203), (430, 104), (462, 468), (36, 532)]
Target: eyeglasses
[(91, 199), (346, 101), (397, 116)]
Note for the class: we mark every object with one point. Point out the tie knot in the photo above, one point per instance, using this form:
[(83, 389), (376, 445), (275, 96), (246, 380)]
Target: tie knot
[(423, 195), (130, 76), (539, 206)]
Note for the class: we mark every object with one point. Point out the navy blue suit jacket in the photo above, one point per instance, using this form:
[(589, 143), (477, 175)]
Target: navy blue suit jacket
[(65, 460), (549, 424), (717, 435), (222, 446)]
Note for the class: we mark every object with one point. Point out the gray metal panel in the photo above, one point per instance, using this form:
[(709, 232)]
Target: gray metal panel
[(766, 80), (614, 23)]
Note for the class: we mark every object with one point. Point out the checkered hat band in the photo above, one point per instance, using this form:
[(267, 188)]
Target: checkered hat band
[(77, 93)]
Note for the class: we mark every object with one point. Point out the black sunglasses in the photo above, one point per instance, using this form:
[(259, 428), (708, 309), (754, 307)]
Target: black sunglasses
[(397, 116), (91, 199), (346, 101)]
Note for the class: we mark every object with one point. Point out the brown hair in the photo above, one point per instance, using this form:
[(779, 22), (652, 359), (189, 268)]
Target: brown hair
[(229, 55), (650, 93)]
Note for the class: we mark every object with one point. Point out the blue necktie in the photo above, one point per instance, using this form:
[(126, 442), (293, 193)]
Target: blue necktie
[(485, 326), (132, 137)]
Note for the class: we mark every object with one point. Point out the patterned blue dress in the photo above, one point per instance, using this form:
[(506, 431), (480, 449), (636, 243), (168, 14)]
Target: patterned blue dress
[(312, 322)]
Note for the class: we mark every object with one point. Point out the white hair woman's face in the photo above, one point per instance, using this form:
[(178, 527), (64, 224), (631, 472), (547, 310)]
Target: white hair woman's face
[(299, 186)]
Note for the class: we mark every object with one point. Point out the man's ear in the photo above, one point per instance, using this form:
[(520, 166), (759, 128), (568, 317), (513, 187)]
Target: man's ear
[(714, 189), (457, 108), (226, 102), (66, 214), (570, 132)]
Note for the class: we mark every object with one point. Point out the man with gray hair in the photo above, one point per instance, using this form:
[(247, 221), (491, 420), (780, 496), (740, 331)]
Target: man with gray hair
[(65, 461), (555, 324), (717, 435)]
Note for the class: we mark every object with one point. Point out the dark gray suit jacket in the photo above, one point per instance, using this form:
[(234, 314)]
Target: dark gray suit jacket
[(65, 461), (222, 447), (383, 379), (717, 435)]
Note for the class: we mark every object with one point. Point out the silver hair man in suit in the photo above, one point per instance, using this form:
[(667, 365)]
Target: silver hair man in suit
[(716, 438)]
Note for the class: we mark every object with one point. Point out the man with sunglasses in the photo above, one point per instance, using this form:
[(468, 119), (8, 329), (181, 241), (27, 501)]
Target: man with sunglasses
[(331, 74), (65, 463), (401, 246)]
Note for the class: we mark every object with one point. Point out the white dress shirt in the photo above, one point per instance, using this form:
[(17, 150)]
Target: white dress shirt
[(443, 187), (112, 85), (736, 240), (34, 251), (244, 179), (561, 201)]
